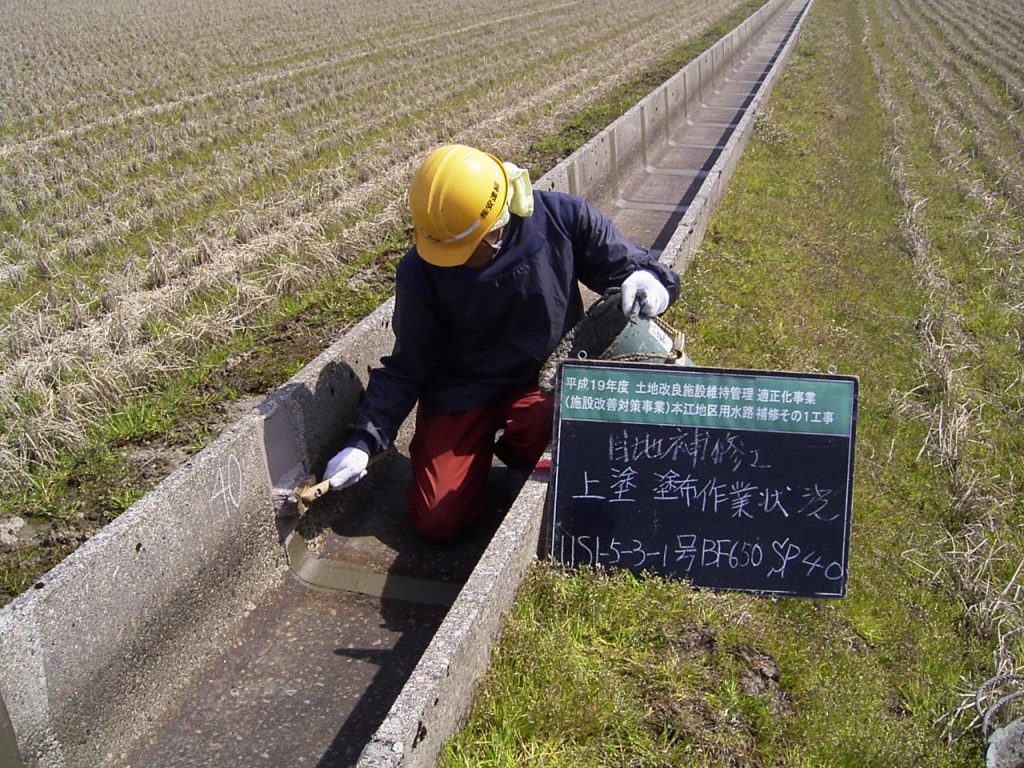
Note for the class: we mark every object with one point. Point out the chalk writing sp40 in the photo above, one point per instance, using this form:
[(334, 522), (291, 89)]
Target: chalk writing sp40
[(775, 560)]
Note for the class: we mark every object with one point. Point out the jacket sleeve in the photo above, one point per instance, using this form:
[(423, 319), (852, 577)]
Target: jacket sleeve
[(395, 386), (605, 257)]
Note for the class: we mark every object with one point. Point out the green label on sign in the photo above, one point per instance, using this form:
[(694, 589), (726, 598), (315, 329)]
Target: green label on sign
[(691, 397)]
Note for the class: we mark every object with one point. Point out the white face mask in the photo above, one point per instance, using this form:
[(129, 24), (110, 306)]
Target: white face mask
[(502, 219)]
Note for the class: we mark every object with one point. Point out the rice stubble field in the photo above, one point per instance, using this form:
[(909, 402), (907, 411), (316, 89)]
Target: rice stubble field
[(195, 199)]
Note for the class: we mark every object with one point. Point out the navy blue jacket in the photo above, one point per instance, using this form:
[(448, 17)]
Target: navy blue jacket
[(465, 337)]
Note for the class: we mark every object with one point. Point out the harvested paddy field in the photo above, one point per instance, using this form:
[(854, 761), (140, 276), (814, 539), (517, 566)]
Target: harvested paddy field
[(195, 199)]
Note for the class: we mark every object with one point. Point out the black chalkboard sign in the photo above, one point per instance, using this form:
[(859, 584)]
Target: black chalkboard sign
[(733, 479)]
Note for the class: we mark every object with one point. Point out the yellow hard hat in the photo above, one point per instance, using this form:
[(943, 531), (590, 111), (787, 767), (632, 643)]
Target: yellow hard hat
[(455, 198)]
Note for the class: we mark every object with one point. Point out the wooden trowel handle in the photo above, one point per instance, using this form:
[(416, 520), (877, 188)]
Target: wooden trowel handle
[(314, 492)]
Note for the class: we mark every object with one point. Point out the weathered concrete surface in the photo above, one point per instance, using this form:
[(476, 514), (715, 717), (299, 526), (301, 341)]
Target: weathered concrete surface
[(305, 680), (101, 637), (437, 696), (180, 627)]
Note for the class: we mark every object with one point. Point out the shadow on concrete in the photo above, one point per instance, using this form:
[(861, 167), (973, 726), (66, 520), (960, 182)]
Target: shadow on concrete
[(415, 625), (367, 527), (360, 540), (302, 427)]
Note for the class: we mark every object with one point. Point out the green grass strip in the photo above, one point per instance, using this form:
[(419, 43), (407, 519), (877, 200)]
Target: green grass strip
[(804, 268)]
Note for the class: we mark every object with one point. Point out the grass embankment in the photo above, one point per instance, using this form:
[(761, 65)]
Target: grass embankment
[(119, 460), (814, 263)]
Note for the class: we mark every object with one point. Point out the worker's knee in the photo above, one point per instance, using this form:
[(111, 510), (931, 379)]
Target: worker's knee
[(441, 521), (527, 430)]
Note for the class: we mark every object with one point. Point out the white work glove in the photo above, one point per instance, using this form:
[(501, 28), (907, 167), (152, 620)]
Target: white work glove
[(347, 467), (644, 287)]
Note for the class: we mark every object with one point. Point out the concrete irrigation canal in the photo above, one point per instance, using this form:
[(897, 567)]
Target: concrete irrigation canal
[(198, 629)]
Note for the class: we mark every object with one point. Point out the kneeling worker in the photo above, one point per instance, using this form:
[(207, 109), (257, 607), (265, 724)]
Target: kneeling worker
[(481, 300)]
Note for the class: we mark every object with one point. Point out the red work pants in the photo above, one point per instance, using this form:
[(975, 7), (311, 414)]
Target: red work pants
[(451, 455)]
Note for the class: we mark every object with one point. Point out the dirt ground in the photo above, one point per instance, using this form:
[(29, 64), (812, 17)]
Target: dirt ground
[(31, 544)]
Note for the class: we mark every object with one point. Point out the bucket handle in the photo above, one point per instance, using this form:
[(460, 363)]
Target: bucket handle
[(990, 712)]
